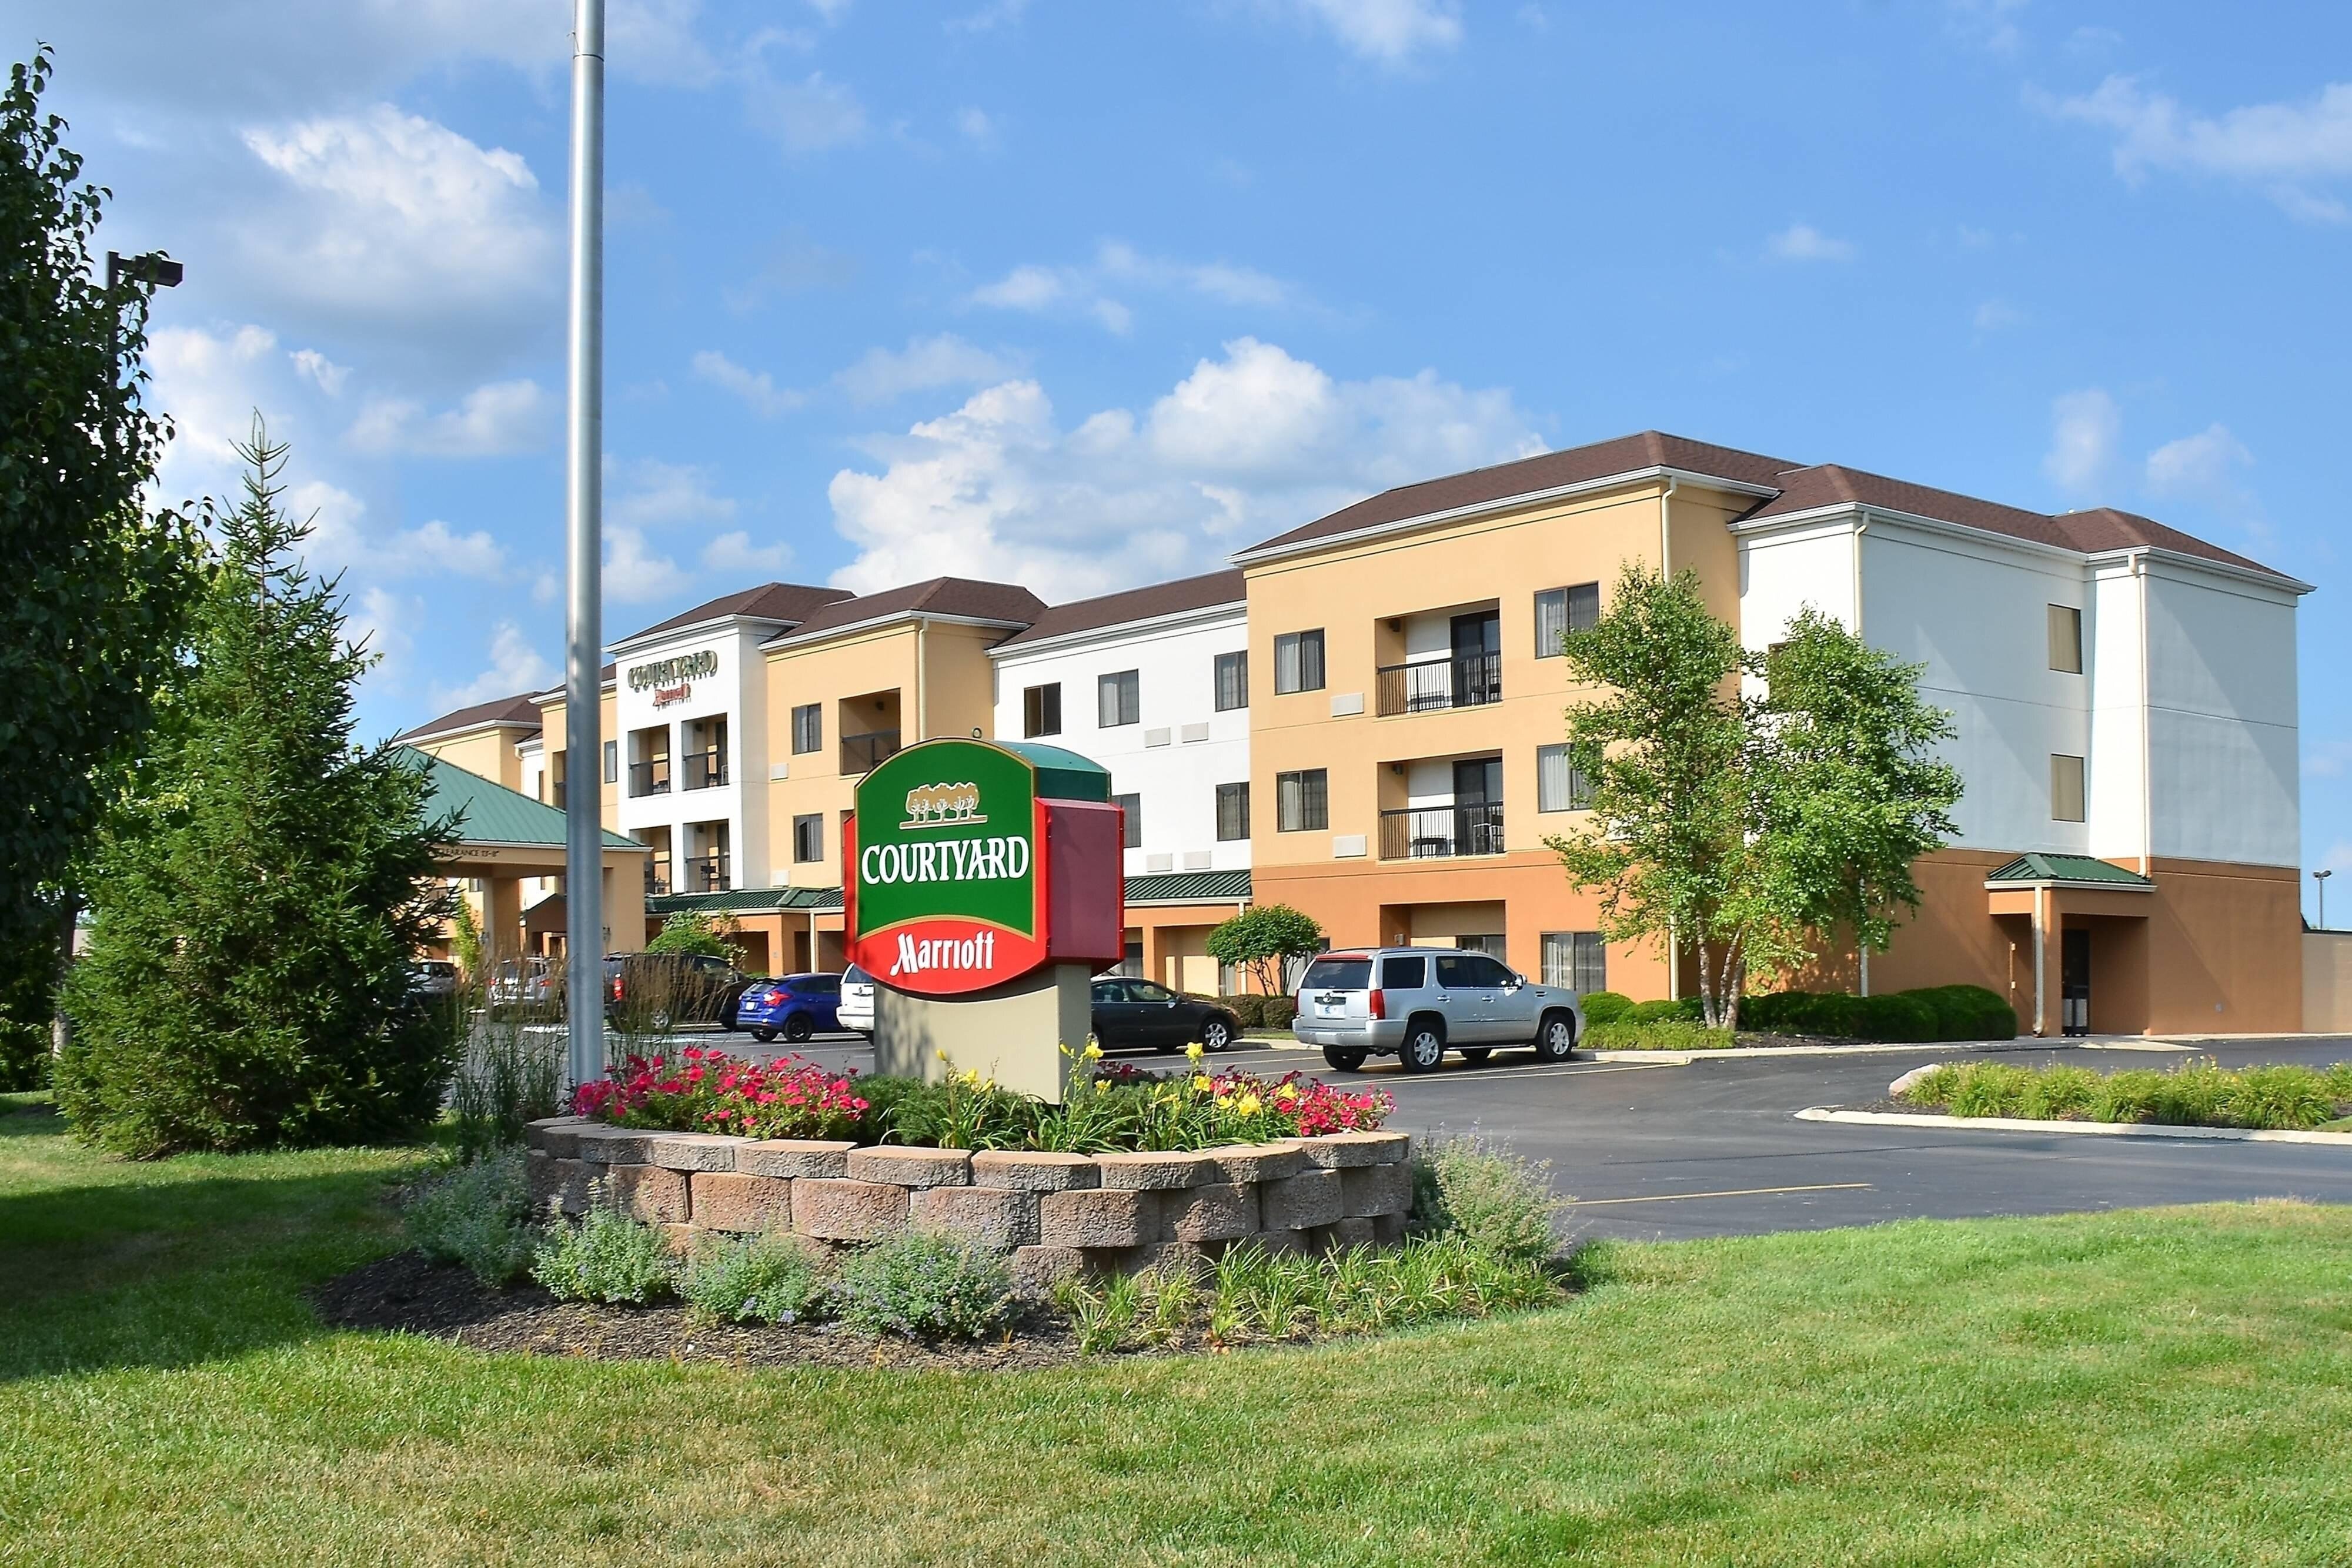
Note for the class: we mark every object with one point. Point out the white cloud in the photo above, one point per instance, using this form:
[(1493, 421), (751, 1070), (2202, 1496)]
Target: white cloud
[(321, 371), (210, 382), (945, 361), (634, 574), (807, 116), (1989, 24), (994, 14), (1091, 288), (1391, 32), (1995, 315), (1246, 444), (515, 666), (340, 541), (2202, 467), (1025, 287), (649, 493), (976, 126), (2085, 427), (757, 389), (734, 555), (378, 621), (831, 10), (1802, 242), (2283, 150), (493, 420)]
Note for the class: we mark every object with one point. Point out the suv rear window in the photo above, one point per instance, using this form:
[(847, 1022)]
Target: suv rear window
[(1338, 975), (1405, 974)]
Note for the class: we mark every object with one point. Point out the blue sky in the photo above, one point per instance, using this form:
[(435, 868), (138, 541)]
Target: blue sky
[(1082, 295)]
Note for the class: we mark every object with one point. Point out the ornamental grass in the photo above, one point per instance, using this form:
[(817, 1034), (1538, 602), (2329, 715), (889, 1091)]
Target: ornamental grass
[(2199, 1093)]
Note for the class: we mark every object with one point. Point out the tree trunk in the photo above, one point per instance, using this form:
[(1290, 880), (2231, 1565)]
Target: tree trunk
[(1734, 977), (1706, 987), (60, 1026)]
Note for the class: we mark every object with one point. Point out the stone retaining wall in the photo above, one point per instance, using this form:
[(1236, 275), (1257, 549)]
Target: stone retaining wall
[(1053, 1215)]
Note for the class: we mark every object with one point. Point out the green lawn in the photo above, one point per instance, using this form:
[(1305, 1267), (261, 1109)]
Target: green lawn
[(2155, 1387)]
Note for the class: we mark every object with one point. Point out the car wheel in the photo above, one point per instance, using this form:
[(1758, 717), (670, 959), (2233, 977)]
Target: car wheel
[(1343, 1058), (1475, 1055), (1216, 1034), (762, 1033), (1425, 1046), (798, 1028), (1556, 1042)]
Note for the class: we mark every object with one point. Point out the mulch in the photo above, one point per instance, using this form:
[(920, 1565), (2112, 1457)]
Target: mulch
[(408, 1294)]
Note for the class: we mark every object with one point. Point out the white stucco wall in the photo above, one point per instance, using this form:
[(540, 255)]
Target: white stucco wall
[(2222, 718), (739, 693), (1176, 690)]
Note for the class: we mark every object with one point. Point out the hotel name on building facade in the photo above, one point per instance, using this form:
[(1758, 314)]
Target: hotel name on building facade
[(1361, 718)]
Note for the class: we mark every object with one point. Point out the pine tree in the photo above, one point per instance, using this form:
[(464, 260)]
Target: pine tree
[(257, 904)]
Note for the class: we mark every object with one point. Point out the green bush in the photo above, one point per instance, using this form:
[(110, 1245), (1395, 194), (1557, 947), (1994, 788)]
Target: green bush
[(1682, 1009), (606, 1256), (1249, 1008), (1280, 1011), (1931, 1013), (1899, 1017), (917, 1285), (1486, 1196), (770, 1278), (1605, 1007), (2200, 1095), (478, 1215), (1671, 1034)]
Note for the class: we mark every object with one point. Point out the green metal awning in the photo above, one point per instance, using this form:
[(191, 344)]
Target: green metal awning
[(749, 900), (1189, 887), (490, 812), (1063, 775), (2068, 870)]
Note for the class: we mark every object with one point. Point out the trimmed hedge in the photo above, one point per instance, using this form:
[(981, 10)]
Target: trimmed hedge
[(1260, 1012), (1930, 1013), (1605, 1007)]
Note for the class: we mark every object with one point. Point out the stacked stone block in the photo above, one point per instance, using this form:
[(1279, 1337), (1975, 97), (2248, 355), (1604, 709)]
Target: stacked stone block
[(1052, 1215)]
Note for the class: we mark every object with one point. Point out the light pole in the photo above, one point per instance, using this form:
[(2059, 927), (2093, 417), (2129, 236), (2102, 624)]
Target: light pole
[(583, 826), (152, 267), (2321, 878)]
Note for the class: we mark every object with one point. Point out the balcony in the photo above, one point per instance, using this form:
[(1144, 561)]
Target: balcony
[(558, 787), (658, 876), (704, 769), (1468, 680), (705, 873), (1442, 833), (864, 753), (649, 778)]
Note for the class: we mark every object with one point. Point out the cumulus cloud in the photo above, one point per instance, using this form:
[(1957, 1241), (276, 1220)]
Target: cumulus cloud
[(2289, 152), (1092, 288), (649, 493), (975, 127), (944, 361), (341, 541), (806, 116), (1248, 443), (321, 371), (515, 666), (734, 555), (1995, 315), (493, 420), (378, 621), (757, 389), (210, 382), (635, 573), (1388, 32), (1802, 242), (2202, 467), (2085, 427)]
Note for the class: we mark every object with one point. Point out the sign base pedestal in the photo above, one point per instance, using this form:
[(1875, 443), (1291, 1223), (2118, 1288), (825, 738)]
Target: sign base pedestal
[(1012, 1033)]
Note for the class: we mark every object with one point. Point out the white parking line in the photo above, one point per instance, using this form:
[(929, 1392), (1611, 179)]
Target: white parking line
[(1734, 1192)]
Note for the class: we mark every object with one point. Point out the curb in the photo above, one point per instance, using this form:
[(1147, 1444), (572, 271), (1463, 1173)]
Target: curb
[(2097, 1129), (2023, 1043)]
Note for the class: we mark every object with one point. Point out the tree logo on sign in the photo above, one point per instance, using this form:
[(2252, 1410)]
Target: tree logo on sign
[(943, 806)]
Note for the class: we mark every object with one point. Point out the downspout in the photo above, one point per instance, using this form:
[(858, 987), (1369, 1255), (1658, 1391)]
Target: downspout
[(2147, 725), (2041, 950), (922, 686), (1666, 571), (1861, 952)]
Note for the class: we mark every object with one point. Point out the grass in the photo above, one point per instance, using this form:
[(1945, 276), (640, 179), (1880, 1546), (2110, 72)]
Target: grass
[(2125, 1387)]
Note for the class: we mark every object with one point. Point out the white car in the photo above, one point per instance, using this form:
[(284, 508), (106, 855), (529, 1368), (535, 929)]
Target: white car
[(857, 1009), (1417, 1003)]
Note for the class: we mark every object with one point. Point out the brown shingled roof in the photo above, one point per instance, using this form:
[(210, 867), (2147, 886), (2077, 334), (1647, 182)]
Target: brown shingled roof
[(1549, 471), (517, 710), (961, 596), (1144, 603), (2105, 528), (789, 603)]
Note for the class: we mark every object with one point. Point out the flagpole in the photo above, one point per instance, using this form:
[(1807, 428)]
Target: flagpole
[(583, 847)]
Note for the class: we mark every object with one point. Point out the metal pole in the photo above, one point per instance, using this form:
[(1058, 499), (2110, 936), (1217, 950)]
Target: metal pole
[(583, 696)]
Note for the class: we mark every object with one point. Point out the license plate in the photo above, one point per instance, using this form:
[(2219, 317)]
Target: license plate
[(1330, 1010)]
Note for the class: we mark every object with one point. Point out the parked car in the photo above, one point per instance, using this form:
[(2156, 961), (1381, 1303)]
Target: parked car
[(857, 1009), (796, 1006), (1140, 1012), (661, 990), (531, 983), (436, 978), (1426, 1001)]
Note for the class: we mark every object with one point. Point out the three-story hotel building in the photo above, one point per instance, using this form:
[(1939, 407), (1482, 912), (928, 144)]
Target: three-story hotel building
[(1361, 718)]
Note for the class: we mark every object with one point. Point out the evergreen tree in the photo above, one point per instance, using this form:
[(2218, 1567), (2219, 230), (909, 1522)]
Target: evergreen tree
[(260, 899)]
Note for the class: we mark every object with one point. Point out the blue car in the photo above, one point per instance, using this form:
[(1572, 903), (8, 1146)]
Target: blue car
[(795, 1006)]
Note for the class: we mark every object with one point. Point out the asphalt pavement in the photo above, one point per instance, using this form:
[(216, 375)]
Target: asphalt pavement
[(1656, 1150)]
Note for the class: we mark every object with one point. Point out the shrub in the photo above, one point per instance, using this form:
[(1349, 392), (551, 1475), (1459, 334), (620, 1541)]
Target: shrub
[(1280, 1011), (1249, 1008), (2059, 1094), (509, 1078), (693, 933), (1485, 1195), (606, 1256), (770, 1278), (1605, 1007), (2200, 1095), (1671, 1034), (2279, 1097), (1899, 1017), (1934, 1012), (918, 1284), (478, 1215), (1682, 1009)]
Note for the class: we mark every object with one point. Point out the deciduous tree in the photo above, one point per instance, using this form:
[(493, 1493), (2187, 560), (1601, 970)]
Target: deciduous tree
[(1263, 939)]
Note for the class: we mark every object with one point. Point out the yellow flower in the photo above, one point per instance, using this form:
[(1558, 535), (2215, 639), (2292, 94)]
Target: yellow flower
[(1287, 1092), (941, 1054), (1249, 1105), (1093, 1051), (1224, 1102), (1202, 1085), (1194, 1051)]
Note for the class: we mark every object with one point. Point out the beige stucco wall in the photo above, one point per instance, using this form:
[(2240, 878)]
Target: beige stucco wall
[(551, 729), (2327, 982), (487, 753)]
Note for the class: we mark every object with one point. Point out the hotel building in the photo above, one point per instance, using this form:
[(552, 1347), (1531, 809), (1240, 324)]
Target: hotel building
[(1363, 719)]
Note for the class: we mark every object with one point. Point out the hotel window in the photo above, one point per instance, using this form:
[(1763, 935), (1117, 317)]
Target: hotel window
[(1575, 961), (1132, 805), (1232, 682), (1298, 662), (808, 838), (808, 728), (1233, 812), (1119, 699), (2066, 639), (1302, 801), (612, 762), (2066, 788), (1560, 785), (1040, 711), (1559, 611)]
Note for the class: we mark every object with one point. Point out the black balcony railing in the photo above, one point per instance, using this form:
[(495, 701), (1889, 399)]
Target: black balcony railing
[(706, 769), (1442, 833), (865, 753), (649, 778), (705, 873), (658, 877), (558, 787), (1468, 680)]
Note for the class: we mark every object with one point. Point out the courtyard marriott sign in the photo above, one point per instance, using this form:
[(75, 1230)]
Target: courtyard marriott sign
[(670, 678), (972, 864)]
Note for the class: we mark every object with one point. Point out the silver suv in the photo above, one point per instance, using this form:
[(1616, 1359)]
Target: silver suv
[(1416, 1003)]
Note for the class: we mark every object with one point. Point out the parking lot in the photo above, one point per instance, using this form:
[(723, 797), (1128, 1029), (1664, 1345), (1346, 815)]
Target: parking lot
[(1711, 1148)]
